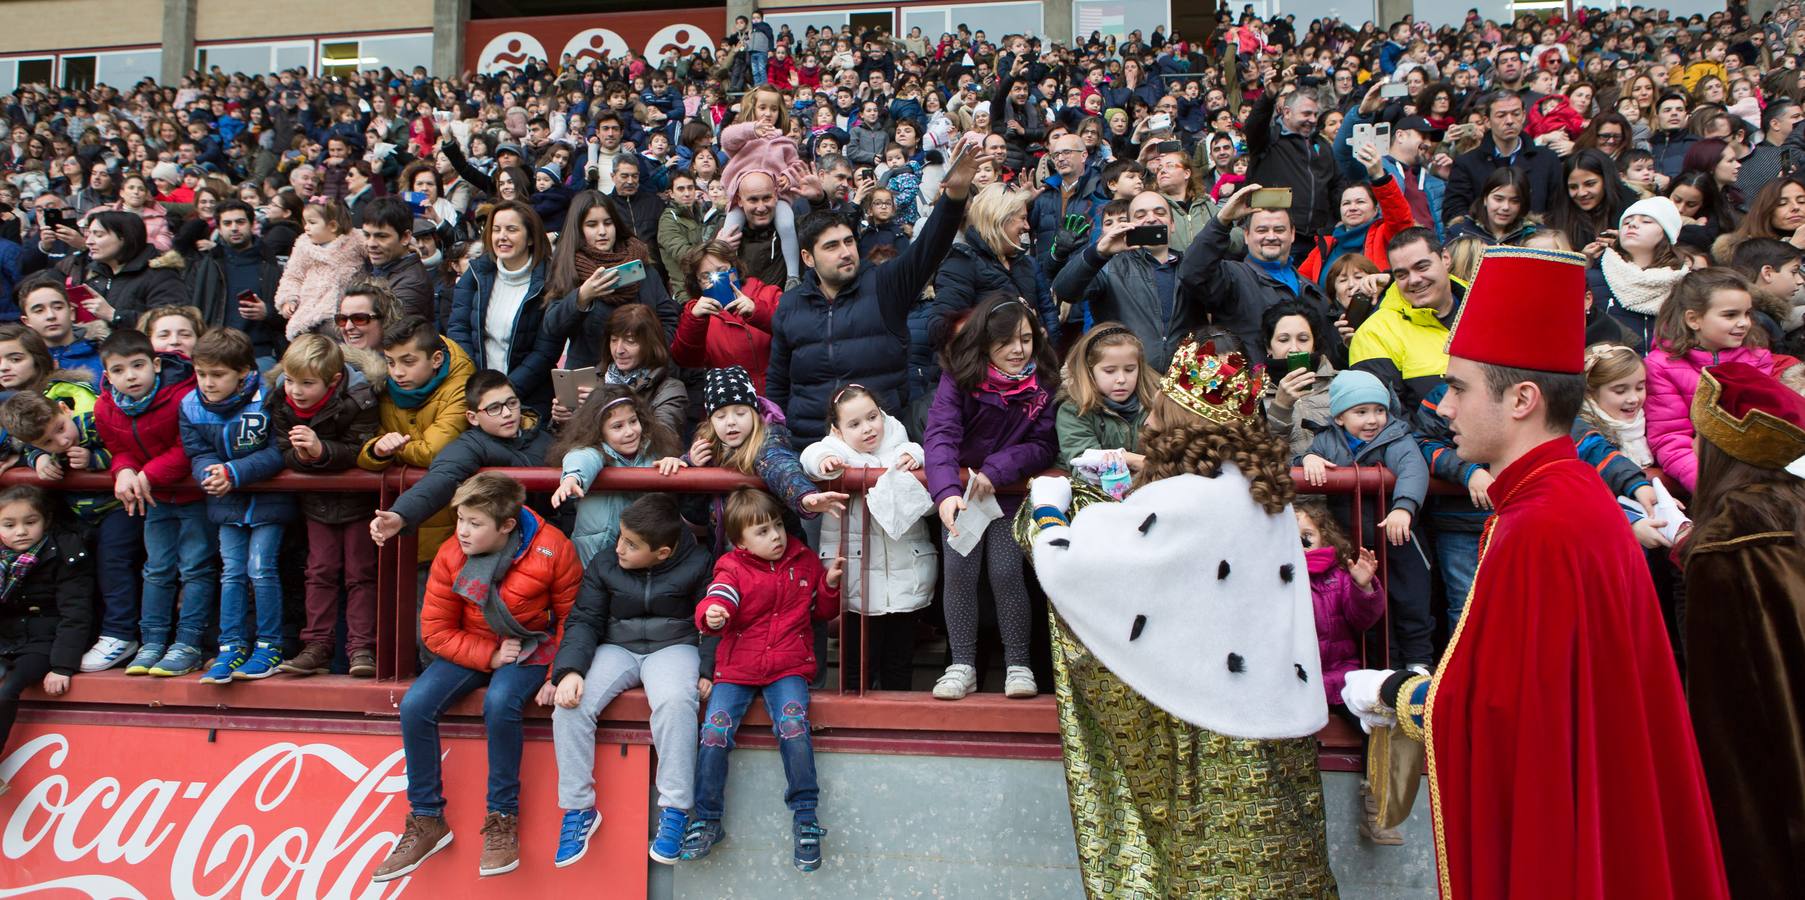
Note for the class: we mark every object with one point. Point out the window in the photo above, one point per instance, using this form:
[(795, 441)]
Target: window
[(349, 56), (339, 58), (255, 59), (998, 19), (932, 22), (1119, 17), (126, 68), (15, 72), (78, 72), (800, 23)]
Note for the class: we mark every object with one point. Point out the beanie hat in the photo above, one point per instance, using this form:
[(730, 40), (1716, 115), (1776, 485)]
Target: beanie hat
[(1659, 209), (166, 172), (1354, 387), (728, 387), (552, 169)]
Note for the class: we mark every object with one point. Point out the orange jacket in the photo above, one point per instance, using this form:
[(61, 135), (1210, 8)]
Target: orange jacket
[(540, 588)]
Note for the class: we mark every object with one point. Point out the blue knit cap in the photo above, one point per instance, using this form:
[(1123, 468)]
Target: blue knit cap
[(1354, 387)]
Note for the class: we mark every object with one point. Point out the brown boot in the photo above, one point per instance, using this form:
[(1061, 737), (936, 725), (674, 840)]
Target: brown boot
[(363, 664), (314, 659), (501, 844), (1369, 821), (420, 838)]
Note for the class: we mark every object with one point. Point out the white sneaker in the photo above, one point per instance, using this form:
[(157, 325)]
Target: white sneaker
[(956, 683), (107, 653), (1018, 683)]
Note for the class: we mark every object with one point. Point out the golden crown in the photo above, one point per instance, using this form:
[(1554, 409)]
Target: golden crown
[(1224, 389)]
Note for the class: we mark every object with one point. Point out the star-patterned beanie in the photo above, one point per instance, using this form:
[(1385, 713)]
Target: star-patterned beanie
[(726, 387)]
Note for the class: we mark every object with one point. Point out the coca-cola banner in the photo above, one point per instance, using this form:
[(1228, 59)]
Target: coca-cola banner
[(115, 812), (491, 45)]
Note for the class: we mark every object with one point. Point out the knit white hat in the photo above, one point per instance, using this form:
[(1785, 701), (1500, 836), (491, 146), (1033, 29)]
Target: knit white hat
[(1659, 209)]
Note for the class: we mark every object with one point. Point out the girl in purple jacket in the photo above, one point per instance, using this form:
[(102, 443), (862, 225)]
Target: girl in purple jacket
[(993, 416), (1346, 592)]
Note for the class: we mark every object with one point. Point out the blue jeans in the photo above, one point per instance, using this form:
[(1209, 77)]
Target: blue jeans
[(1457, 552), (442, 684), (119, 557), (759, 60), (786, 700), (178, 543), (249, 556)]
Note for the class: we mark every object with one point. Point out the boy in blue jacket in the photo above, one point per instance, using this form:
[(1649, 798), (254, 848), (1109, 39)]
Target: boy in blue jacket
[(225, 430)]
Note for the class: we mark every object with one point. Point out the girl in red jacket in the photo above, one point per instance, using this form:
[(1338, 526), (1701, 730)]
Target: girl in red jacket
[(766, 595)]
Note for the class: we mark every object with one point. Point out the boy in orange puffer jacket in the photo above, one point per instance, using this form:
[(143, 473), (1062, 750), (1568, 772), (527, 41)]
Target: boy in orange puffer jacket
[(495, 608), (766, 596)]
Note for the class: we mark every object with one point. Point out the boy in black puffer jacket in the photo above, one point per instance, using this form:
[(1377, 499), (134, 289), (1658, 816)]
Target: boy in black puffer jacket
[(634, 624)]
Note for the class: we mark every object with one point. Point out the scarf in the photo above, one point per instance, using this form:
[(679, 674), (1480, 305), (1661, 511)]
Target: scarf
[(1127, 409), (306, 413), (1281, 272), (634, 381), (15, 565), (246, 390), (136, 408), (587, 261), (1641, 291), (1631, 437), (1023, 388), (1321, 560), (479, 581), (1348, 239), (413, 399)]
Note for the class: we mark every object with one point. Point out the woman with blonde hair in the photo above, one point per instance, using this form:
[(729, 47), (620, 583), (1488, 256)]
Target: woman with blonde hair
[(992, 255)]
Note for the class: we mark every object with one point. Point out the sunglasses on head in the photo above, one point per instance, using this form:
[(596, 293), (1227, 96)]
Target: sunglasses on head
[(361, 320)]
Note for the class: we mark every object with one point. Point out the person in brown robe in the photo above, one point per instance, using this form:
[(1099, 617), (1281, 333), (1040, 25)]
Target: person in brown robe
[(1745, 624)]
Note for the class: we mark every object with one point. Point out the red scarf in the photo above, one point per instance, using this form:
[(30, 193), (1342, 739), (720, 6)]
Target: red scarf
[(306, 413)]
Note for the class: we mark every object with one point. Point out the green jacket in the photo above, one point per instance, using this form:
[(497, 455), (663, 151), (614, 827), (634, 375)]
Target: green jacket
[(1100, 430), (678, 231)]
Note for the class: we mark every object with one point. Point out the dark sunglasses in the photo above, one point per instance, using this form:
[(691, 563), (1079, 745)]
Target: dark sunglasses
[(361, 320)]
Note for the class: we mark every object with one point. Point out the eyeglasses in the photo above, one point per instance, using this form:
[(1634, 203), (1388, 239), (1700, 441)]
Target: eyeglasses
[(1610, 138), (1069, 151), (361, 320), (495, 409)]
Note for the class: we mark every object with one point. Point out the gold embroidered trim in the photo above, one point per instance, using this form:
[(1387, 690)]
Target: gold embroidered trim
[(1744, 539), (1409, 714)]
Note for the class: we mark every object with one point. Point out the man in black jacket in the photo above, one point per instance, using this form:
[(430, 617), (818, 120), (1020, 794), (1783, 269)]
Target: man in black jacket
[(1503, 145), (847, 322), (388, 226), (1236, 291), (639, 206), (236, 264), (1672, 138), (1286, 151), (1134, 285)]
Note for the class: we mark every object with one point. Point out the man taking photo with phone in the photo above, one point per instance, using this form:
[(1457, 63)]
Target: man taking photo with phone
[(234, 283), (1236, 291), (1130, 275)]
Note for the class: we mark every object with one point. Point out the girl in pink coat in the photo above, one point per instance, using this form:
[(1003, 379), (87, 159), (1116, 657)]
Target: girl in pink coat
[(325, 259), (1705, 321), (759, 142), (1345, 591)]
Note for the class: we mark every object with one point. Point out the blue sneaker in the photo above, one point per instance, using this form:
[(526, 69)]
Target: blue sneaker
[(148, 657), (227, 662), (700, 838), (667, 847), (574, 834), (180, 660), (261, 664), (807, 854)]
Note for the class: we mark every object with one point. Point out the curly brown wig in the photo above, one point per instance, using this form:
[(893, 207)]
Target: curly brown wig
[(1191, 445)]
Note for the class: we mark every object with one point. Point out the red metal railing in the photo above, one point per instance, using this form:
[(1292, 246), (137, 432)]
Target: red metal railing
[(397, 576)]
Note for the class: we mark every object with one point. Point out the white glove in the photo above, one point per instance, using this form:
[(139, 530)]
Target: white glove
[(1360, 691), (1094, 459), (1050, 490)]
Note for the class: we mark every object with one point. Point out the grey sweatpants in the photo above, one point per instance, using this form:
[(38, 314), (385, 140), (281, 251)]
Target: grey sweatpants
[(669, 677)]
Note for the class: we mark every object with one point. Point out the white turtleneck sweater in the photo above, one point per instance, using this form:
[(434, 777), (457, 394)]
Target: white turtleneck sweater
[(498, 322)]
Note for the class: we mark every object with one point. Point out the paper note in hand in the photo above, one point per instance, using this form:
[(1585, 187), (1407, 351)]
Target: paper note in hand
[(1667, 510), (898, 501), (971, 523)]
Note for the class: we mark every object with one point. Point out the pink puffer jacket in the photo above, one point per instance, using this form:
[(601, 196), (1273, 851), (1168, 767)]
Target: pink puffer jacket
[(315, 277), (1671, 383), (747, 152)]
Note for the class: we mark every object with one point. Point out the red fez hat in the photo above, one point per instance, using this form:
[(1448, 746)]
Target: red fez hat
[(1751, 416), (1526, 310)]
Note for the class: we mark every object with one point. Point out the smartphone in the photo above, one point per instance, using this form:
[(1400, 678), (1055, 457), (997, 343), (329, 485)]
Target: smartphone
[(1169, 147), (247, 297), (1147, 236), (1299, 360), (567, 382), (720, 286), (1394, 90), (632, 271), (1270, 198), (416, 201), (50, 218), (78, 295), (1359, 307), (1161, 122)]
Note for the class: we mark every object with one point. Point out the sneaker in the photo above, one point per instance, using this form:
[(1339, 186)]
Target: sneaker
[(148, 657), (958, 681), (1018, 683), (262, 663), (807, 852), (574, 834), (667, 847), (107, 653), (180, 660), (227, 662), (314, 659), (501, 844), (422, 837), (701, 837), (363, 664)]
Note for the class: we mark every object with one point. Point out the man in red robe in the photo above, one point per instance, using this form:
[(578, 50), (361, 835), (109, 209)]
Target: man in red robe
[(1561, 756)]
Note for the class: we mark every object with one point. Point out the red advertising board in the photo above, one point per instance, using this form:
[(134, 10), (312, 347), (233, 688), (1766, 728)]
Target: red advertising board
[(105, 812), (491, 45)]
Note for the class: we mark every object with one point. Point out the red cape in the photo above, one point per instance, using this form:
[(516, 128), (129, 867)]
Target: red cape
[(1561, 756)]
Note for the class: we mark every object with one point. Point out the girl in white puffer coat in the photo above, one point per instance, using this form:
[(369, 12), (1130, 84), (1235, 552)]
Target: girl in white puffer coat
[(897, 578)]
